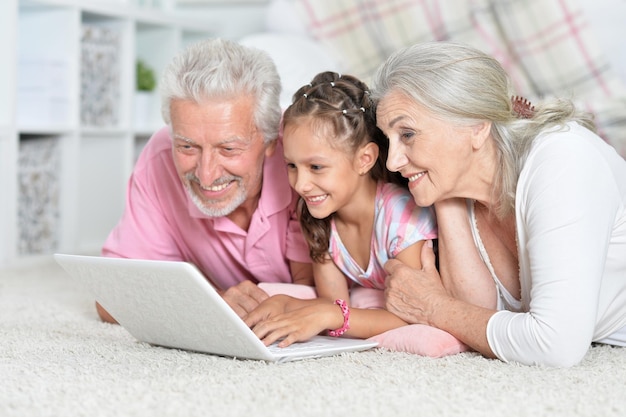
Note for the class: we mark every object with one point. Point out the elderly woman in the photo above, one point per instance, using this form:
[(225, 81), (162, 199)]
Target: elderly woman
[(531, 207)]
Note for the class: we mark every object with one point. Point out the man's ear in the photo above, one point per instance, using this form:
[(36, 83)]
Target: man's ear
[(270, 148), (366, 157), (480, 132)]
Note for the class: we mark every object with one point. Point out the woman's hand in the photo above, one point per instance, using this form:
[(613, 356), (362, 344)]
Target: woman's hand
[(298, 325), (413, 294)]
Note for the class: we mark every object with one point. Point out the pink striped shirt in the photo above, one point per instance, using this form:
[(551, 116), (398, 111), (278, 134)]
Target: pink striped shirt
[(398, 223)]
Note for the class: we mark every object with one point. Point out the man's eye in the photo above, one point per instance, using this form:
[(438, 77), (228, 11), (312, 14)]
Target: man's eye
[(186, 149), (231, 150)]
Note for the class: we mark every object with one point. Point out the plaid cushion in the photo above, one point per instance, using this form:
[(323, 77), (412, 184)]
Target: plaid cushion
[(546, 46)]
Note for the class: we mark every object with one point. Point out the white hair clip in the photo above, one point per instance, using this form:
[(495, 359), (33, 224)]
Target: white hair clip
[(363, 109)]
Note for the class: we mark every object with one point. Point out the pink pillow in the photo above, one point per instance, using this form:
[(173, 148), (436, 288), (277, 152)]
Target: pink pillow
[(422, 340), (304, 292), (414, 338)]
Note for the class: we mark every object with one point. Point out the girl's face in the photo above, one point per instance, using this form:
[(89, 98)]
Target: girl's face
[(325, 176), (434, 155)]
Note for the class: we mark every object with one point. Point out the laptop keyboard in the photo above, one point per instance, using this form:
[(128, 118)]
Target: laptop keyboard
[(297, 347)]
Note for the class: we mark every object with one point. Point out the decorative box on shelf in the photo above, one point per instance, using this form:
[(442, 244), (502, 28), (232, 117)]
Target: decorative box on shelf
[(39, 191), (100, 76)]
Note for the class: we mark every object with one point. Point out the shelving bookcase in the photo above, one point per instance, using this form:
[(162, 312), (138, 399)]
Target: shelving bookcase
[(84, 163)]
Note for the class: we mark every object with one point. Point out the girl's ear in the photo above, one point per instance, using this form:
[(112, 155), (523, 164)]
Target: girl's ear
[(366, 158)]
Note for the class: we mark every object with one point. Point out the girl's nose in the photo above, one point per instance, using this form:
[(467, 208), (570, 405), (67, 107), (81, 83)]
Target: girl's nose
[(301, 183)]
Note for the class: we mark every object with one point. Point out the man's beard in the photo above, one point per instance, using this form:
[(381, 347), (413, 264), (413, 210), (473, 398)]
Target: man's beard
[(206, 206)]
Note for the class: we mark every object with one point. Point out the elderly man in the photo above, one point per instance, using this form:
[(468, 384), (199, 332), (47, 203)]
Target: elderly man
[(211, 188)]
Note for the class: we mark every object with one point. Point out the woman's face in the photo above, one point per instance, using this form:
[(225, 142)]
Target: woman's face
[(434, 155)]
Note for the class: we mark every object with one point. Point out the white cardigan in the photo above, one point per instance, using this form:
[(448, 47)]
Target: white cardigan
[(571, 235)]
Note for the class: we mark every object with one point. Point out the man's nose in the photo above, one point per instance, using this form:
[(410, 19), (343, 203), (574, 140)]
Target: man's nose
[(208, 168)]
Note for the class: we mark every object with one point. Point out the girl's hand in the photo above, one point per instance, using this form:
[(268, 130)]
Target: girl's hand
[(271, 307), (299, 325)]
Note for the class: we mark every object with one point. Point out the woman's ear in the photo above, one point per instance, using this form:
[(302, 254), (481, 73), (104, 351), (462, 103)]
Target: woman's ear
[(366, 157), (480, 132)]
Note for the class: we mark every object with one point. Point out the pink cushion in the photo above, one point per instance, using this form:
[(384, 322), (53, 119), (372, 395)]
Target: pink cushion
[(422, 340), (304, 292)]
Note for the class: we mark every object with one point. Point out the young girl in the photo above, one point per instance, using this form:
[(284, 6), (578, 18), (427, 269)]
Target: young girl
[(352, 216)]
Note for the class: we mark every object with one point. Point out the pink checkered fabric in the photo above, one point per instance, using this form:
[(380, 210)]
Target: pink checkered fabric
[(547, 46)]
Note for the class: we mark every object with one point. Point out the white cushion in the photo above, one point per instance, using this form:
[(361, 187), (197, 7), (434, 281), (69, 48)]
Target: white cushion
[(298, 59)]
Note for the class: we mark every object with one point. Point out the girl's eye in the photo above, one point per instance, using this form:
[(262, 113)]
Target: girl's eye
[(291, 166)]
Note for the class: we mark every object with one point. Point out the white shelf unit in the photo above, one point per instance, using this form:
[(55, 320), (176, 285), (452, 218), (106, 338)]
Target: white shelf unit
[(68, 130)]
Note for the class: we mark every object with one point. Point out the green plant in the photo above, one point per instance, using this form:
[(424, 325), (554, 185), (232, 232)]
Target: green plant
[(145, 77)]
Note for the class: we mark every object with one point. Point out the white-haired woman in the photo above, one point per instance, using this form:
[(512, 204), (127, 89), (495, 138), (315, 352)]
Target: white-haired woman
[(530, 202)]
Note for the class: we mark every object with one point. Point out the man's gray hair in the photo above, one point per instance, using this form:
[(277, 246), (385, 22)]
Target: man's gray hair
[(218, 68)]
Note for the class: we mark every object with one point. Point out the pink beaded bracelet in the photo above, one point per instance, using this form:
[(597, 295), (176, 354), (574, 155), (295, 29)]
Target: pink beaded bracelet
[(345, 311)]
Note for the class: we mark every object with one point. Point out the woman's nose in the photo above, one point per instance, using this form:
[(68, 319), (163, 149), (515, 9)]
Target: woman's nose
[(395, 158)]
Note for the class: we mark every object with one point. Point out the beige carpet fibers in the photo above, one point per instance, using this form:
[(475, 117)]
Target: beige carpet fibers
[(58, 359)]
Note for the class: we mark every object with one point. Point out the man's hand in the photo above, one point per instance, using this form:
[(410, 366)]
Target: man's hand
[(244, 297)]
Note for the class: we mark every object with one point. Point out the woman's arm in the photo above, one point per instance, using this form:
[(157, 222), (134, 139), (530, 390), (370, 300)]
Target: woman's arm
[(463, 272)]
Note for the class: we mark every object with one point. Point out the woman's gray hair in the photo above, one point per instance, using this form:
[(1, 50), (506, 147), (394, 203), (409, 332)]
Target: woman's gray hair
[(464, 86), (218, 68)]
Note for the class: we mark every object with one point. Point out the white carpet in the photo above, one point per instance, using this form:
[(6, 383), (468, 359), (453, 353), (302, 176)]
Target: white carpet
[(57, 359)]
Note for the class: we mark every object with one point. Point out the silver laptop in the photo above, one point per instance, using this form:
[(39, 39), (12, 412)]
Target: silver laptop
[(171, 304)]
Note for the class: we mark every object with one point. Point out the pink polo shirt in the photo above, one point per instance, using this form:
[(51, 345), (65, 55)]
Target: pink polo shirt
[(161, 222)]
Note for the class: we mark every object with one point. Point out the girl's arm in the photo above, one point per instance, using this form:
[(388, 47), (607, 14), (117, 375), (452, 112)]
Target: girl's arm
[(302, 319)]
